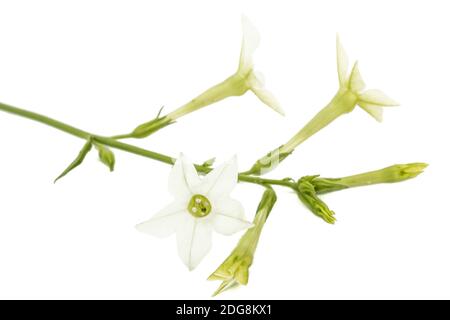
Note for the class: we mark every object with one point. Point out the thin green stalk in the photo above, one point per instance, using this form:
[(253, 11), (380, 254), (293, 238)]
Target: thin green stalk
[(134, 149), (45, 120), (263, 181), (127, 147), (122, 136)]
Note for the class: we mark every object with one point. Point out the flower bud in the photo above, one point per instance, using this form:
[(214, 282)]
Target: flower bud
[(106, 156), (308, 195), (395, 173)]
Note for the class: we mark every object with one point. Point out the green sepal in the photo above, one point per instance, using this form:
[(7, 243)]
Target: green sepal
[(324, 185), (78, 160), (150, 127)]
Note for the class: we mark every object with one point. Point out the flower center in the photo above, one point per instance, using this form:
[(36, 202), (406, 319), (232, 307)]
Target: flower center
[(199, 206)]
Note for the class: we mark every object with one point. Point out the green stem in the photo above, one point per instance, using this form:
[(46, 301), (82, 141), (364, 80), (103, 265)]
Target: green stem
[(111, 142), (244, 177), (122, 136), (45, 120), (134, 149)]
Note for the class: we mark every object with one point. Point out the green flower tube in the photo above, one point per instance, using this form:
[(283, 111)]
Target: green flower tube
[(350, 94), (234, 271), (243, 80)]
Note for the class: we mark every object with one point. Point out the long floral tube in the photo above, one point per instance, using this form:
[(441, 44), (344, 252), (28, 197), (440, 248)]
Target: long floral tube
[(234, 271), (350, 94), (245, 79)]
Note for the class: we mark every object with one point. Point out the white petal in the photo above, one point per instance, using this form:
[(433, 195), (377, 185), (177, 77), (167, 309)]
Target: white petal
[(250, 41), (377, 97), (229, 217), (164, 223), (256, 83), (183, 178), (342, 62), (356, 83), (220, 181), (193, 240), (374, 110)]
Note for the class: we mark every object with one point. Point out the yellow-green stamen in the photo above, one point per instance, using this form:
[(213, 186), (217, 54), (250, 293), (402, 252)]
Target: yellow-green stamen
[(199, 206)]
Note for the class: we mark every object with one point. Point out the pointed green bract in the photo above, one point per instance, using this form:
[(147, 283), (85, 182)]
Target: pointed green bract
[(78, 160)]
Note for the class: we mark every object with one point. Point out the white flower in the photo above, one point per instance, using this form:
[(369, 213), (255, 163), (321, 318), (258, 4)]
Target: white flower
[(371, 101), (243, 80), (254, 79), (201, 205), (350, 94)]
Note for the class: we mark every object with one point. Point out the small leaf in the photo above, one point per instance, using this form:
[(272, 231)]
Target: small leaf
[(78, 160), (106, 156)]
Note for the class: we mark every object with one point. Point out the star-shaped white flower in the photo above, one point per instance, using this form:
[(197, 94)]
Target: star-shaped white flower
[(372, 101), (201, 205)]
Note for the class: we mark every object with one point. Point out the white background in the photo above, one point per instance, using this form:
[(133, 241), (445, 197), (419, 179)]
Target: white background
[(107, 66)]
